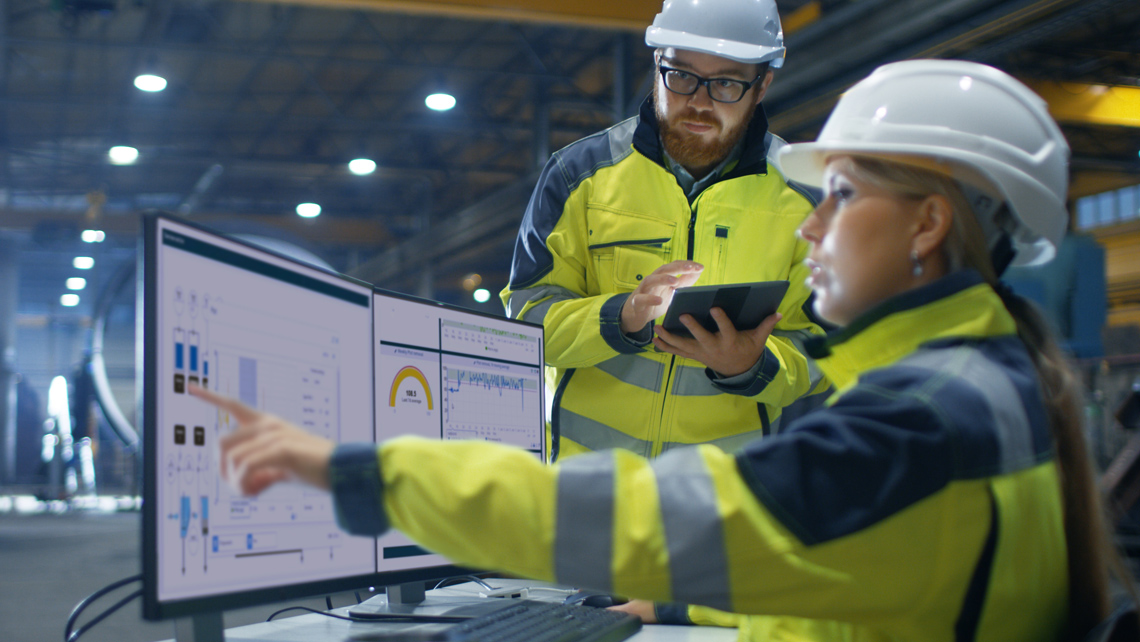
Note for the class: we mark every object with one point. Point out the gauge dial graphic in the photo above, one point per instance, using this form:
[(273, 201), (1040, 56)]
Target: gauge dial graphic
[(410, 386)]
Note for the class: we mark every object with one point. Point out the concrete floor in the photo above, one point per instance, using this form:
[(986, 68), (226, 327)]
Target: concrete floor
[(50, 562)]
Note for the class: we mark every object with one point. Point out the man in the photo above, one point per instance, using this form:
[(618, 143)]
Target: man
[(686, 192)]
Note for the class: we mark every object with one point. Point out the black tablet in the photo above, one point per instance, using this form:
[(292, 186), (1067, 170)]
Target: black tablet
[(746, 304)]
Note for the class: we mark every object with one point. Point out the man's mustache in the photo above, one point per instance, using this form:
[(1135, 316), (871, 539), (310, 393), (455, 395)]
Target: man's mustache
[(702, 118)]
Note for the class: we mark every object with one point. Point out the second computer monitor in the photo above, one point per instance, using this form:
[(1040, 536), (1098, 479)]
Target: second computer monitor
[(448, 373)]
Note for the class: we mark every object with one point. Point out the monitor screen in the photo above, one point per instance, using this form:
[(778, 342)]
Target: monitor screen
[(330, 354), (446, 373)]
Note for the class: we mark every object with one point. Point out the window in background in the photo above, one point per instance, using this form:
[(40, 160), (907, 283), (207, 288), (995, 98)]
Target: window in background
[(1108, 208)]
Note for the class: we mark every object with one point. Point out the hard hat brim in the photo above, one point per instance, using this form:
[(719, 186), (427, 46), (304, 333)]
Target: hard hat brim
[(805, 163), (741, 52)]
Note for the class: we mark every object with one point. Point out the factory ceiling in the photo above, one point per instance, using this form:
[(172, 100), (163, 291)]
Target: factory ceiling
[(267, 102)]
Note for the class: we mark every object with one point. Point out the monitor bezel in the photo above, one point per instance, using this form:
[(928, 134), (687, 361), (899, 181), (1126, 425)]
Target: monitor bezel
[(147, 342)]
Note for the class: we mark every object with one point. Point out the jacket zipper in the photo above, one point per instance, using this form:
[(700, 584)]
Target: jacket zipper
[(656, 445), (655, 448), (692, 232)]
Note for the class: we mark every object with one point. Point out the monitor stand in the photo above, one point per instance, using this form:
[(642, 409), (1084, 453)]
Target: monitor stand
[(411, 602), (407, 602), (204, 627)]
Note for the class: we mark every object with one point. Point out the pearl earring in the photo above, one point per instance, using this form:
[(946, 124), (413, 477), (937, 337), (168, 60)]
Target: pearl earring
[(917, 270)]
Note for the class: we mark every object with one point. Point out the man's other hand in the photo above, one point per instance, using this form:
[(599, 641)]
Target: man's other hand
[(655, 292)]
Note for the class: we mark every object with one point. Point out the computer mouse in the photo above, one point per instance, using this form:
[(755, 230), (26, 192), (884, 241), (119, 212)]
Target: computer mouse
[(599, 600)]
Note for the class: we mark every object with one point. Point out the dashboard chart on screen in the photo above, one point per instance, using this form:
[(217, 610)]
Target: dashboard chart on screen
[(446, 373), (280, 338), (330, 354)]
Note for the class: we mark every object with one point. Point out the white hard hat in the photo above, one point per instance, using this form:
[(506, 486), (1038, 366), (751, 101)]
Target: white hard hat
[(978, 123), (743, 30)]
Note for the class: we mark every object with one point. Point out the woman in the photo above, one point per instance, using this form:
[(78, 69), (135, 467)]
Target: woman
[(943, 494)]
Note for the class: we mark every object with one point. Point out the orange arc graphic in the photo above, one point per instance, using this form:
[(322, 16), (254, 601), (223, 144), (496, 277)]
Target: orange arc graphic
[(404, 373)]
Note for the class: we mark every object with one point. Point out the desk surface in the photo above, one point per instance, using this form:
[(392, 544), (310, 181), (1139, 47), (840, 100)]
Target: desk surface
[(319, 628)]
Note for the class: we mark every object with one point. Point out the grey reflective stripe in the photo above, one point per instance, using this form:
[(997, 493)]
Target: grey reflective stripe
[(635, 370), (551, 293), (690, 381), (583, 532), (694, 533), (797, 337), (621, 139), (729, 444), (773, 428), (1009, 419), (597, 436)]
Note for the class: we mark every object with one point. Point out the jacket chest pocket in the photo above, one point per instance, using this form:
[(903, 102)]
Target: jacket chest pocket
[(624, 254), (720, 254)]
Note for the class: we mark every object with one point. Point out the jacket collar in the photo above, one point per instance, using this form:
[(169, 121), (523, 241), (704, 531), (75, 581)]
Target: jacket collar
[(960, 305), (753, 158)]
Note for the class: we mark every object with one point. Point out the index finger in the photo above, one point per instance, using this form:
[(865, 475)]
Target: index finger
[(239, 410), (700, 334), (680, 267), (724, 324)]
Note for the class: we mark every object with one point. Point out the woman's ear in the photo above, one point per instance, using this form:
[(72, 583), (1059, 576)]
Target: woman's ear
[(935, 219)]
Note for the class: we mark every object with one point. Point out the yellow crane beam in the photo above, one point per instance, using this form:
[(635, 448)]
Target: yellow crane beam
[(628, 14), (1092, 104), (633, 15)]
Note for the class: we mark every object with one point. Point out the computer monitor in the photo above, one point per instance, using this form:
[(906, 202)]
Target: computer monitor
[(447, 373), (329, 353)]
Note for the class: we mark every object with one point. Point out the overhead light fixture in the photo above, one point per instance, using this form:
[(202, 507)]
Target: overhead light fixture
[(76, 283), (83, 263), (123, 155), (482, 295), (92, 236), (362, 166), (308, 210), (150, 82), (440, 101), (69, 300)]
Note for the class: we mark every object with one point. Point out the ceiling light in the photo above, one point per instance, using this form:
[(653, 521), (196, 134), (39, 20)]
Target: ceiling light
[(150, 82), (76, 283), (440, 102), (362, 166), (69, 300), (482, 295), (123, 155), (92, 236), (308, 210), (83, 263)]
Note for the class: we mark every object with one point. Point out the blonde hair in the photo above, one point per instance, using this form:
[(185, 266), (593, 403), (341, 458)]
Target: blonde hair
[(1091, 554)]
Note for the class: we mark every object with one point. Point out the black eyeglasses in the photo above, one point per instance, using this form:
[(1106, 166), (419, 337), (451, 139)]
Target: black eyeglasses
[(722, 90)]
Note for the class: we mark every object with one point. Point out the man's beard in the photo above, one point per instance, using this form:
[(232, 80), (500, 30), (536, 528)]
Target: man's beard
[(687, 148)]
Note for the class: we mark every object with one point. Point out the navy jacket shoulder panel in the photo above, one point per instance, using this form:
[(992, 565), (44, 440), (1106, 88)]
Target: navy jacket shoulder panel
[(899, 436), (840, 469), (990, 393), (564, 172)]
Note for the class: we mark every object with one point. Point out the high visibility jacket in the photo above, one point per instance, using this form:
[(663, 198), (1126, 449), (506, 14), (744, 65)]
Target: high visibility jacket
[(923, 503), (605, 213)]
